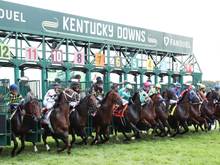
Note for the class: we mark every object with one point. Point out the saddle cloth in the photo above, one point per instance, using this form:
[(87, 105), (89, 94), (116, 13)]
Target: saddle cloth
[(120, 111)]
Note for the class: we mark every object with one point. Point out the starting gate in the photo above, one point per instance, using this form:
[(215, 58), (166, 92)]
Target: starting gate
[(57, 41)]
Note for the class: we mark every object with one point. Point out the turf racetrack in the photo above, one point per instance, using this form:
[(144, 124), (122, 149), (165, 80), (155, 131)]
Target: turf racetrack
[(189, 149)]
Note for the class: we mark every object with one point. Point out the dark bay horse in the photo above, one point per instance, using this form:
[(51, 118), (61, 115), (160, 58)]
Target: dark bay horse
[(179, 112), (22, 122), (130, 118), (162, 114), (195, 115), (103, 117), (208, 107), (79, 117), (59, 120)]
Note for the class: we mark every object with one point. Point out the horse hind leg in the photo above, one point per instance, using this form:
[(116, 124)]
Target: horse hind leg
[(72, 132)]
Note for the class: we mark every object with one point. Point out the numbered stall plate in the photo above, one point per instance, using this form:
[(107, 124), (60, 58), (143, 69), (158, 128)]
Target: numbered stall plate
[(4, 52), (57, 56), (79, 58), (31, 54), (100, 60)]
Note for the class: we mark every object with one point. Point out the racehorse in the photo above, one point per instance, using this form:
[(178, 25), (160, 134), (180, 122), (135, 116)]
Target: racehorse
[(79, 117), (179, 112), (208, 107), (195, 112), (22, 122), (162, 113), (59, 121), (103, 117), (130, 116)]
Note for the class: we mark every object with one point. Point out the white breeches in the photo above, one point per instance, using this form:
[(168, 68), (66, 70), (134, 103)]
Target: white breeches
[(173, 101), (48, 104)]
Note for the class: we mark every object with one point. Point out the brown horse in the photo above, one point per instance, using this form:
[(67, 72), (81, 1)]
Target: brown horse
[(79, 117), (59, 120), (103, 117), (22, 122), (162, 114)]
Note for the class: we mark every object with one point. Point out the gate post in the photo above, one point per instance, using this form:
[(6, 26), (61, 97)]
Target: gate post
[(43, 69)]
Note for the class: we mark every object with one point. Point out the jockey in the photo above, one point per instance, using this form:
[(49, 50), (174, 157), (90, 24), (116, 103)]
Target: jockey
[(49, 98), (115, 85), (75, 86), (202, 92), (176, 90), (97, 89), (158, 88), (125, 93), (14, 97)]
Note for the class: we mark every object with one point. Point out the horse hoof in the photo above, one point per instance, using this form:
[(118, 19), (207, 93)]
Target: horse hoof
[(133, 138), (47, 147)]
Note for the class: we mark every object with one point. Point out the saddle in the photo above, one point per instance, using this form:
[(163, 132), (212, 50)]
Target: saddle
[(120, 111)]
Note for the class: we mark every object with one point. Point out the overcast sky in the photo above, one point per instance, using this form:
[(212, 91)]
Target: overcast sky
[(194, 18)]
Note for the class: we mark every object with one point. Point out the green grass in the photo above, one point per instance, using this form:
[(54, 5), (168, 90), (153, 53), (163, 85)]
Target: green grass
[(189, 149)]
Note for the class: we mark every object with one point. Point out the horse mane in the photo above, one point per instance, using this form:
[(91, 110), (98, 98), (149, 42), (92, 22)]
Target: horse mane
[(133, 98), (106, 96)]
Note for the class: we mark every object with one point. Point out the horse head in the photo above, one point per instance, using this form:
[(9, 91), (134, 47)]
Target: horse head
[(89, 103), (112, 98), (213, 96), (32, 108)]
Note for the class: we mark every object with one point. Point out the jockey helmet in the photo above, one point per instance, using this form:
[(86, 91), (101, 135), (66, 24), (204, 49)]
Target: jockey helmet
[(13, 87), (128, 86), (177, 85), (158, 85), (202, 86), (147, 84), (24, 79), (99, 80), (74, 84)]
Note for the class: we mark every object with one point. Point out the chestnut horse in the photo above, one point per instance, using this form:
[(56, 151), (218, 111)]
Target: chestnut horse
[(22, 122), (103, 116)]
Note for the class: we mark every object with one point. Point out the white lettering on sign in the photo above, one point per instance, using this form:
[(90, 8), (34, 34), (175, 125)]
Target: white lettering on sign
[(12, 15), (131, 34), (88, 27), (176, 42)]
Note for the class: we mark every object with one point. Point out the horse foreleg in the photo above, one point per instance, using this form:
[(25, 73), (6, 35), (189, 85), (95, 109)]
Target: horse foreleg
[(64, 137), (72, 132), (136, 130), (22, 144), (15, 145), (35, 147), (44, 137), (185, 126), (97, 130), (83, 136)]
